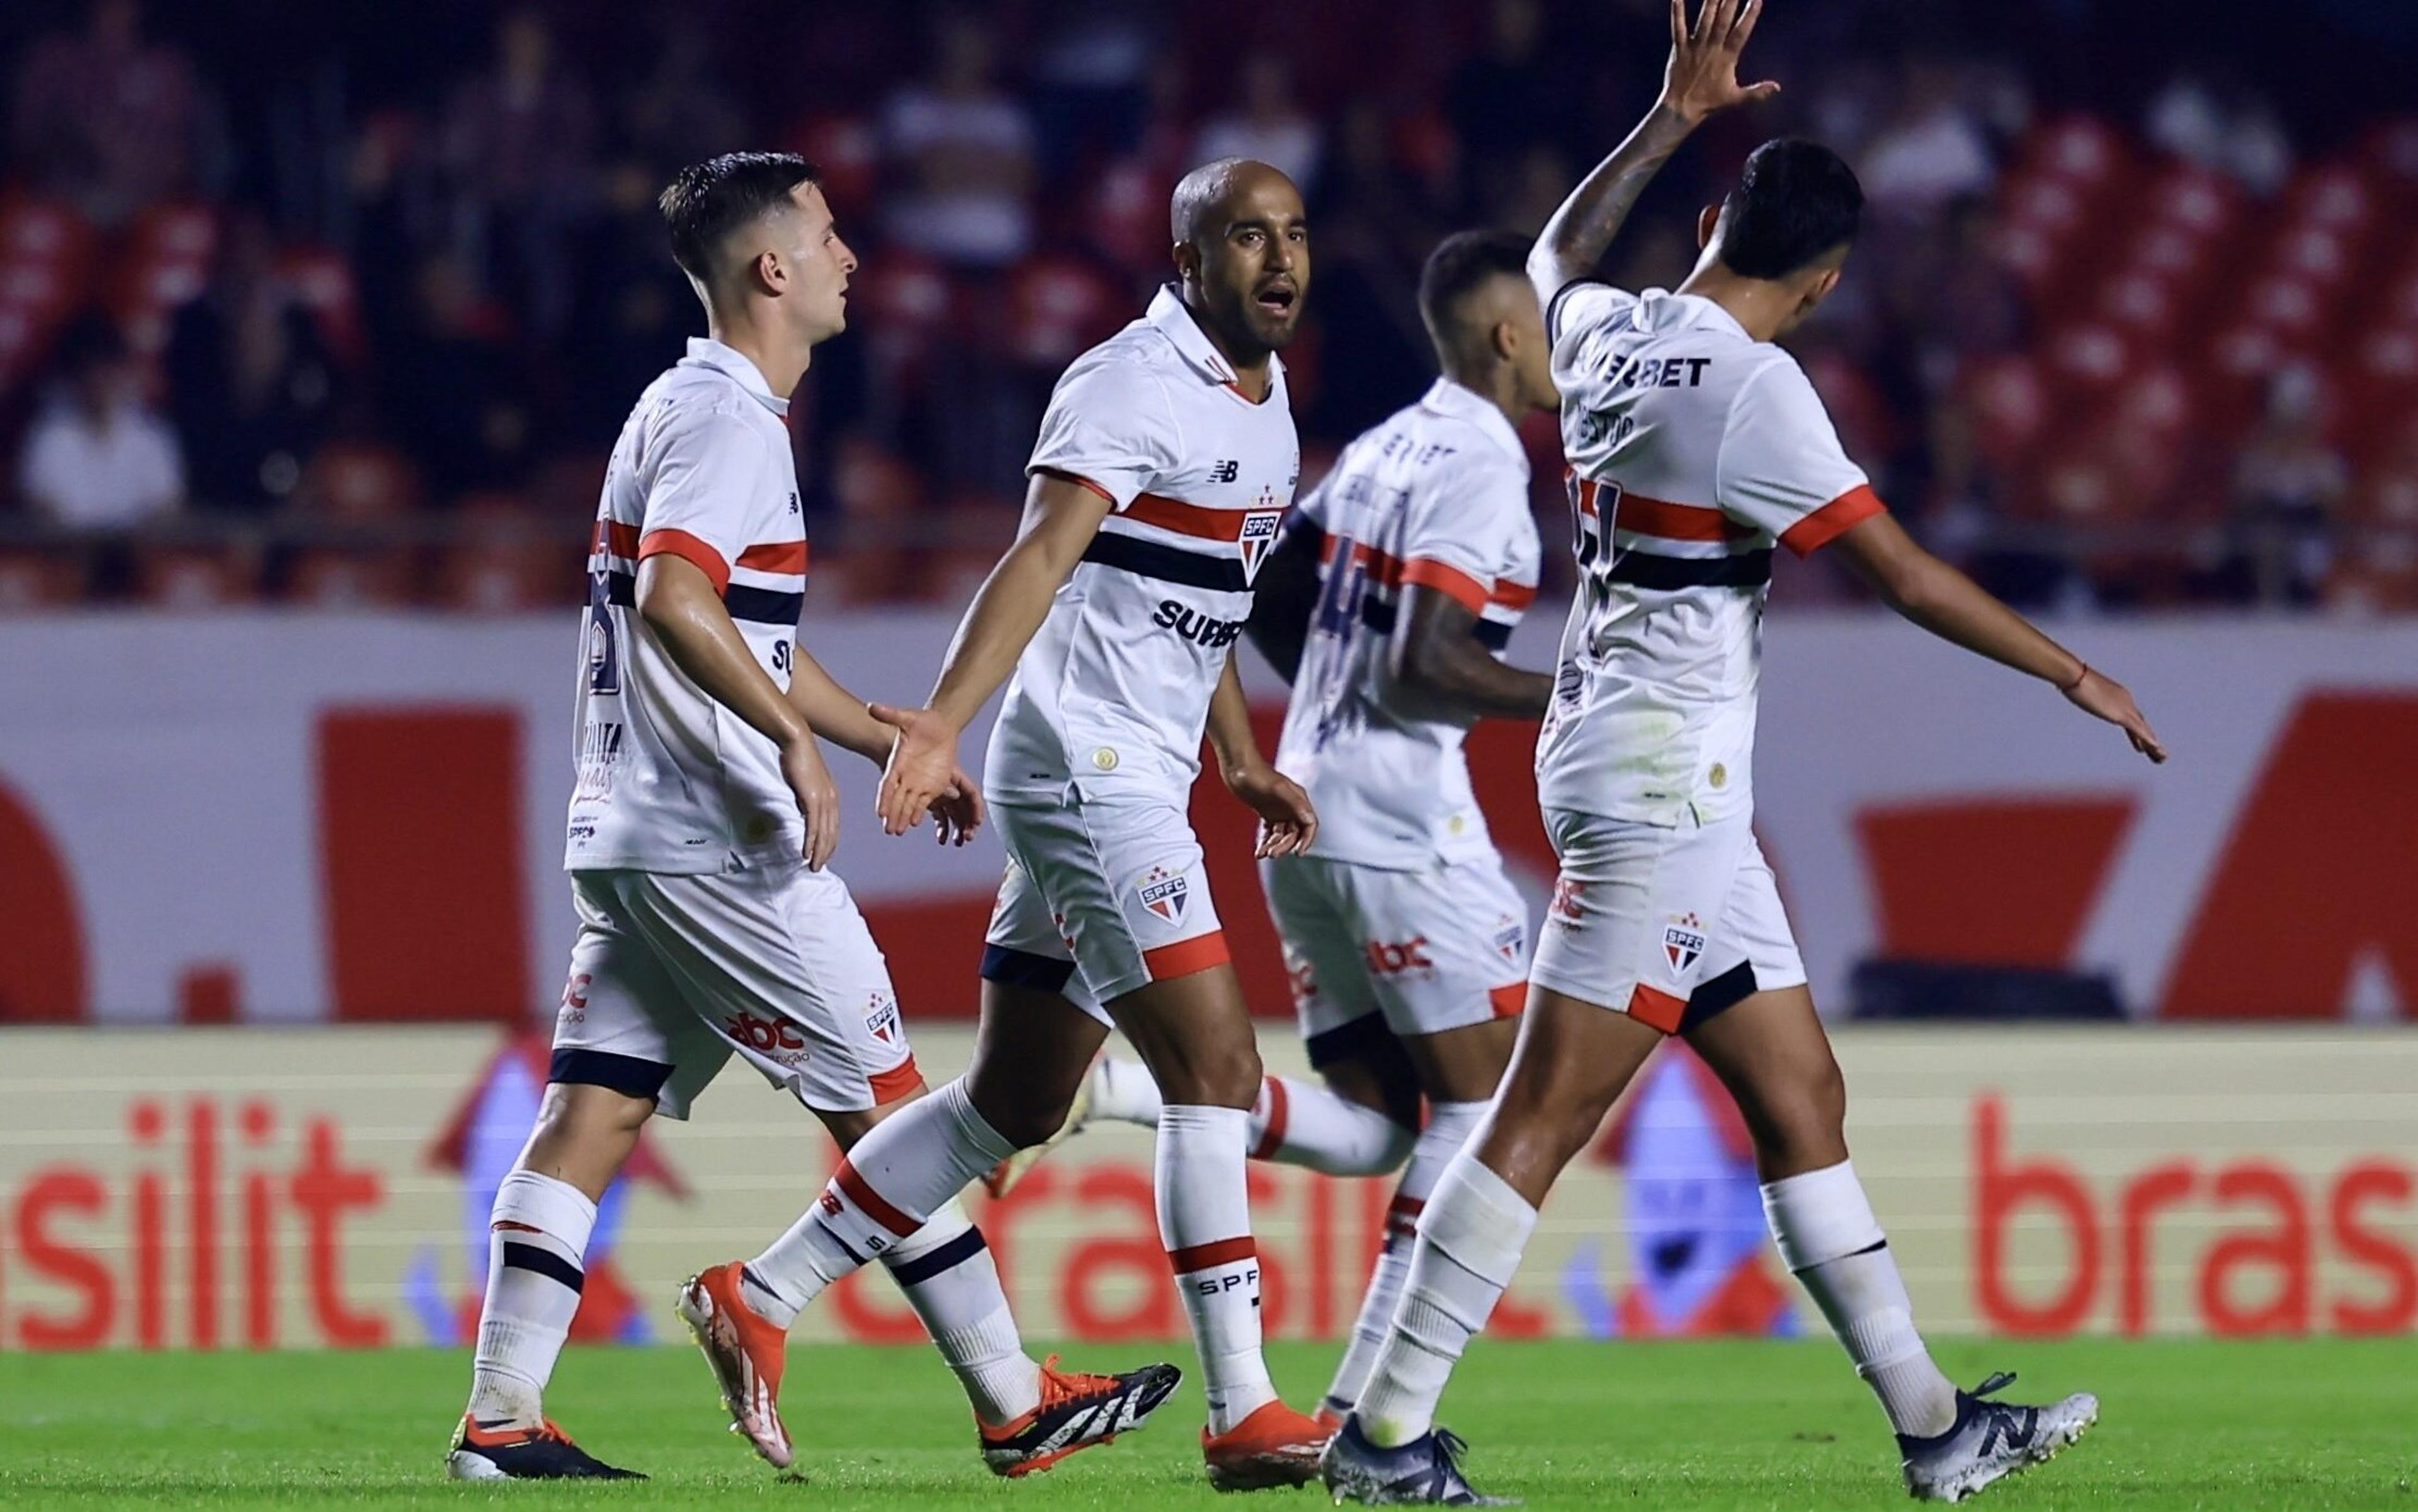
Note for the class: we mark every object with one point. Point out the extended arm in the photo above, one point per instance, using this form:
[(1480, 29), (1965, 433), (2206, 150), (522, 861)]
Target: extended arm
[(1954, 607), (1700, 79), (679, 603), (1285, 596), (1061, 517), (1436, 651)]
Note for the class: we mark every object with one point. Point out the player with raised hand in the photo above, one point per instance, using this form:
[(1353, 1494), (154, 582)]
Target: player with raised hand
[(1163, 470), (1696, 446), (1385, 604), (699, 835)]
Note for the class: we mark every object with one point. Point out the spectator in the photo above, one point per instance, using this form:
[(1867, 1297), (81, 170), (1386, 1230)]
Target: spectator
[(2286, 491), (1502, 101), (1931, 152), (250, 385), (965, 151), (1264, 123), (456, 391), (97, 458), (519, 144), (2221, 123), (107, 120)]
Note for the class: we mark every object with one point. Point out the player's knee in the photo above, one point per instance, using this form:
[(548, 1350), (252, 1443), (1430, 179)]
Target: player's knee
[(579, 1110), (1020, 1111), (1801, 1125)]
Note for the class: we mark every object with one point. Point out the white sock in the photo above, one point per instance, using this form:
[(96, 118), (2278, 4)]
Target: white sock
[(1449, 1127), (1301, 1124), (1470, 1240), (535, 1248), (913, 1163), (949, 1278), (1205, 1219), (1828, 1235), (1125, 1092)]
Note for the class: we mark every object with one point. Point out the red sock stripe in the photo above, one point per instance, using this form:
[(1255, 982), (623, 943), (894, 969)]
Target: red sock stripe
[(1273, 1139), (1219, 1252), (507, 1226), (1403, 1216), (855, 1188)]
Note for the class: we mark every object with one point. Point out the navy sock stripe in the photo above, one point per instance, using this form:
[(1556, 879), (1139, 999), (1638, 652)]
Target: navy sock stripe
[(932, 1263), (1873, 1249), (544, 1262), (829, 1233)]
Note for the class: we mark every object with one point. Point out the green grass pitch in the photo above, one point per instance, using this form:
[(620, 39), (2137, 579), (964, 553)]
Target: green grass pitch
[(1661, 1427)]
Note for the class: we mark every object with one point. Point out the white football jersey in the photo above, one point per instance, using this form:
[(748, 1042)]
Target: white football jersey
[(1694, 448), (1436, 496), (1114, 688), (669, 780)]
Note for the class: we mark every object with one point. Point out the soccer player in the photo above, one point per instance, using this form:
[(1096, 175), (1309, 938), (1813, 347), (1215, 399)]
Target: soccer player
[(1385, 604), (1696, 446), (699, 835), (1165, 463)]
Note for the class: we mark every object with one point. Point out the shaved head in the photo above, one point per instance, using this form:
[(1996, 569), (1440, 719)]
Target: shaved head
[(1242, 254), (1203, 199)]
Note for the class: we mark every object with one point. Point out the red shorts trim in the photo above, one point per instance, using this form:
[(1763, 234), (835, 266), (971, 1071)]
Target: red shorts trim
[(1187, 956), (1509, 1000), (899, 1081), (1657, 1009)]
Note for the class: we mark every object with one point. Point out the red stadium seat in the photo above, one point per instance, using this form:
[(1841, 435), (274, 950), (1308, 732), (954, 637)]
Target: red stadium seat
[(2088, 358), (2011, 407), (2197, 201), (2377, 574), (911, 307), (32, 578), (2378, 385), (1057, 307), (848, 149), (2320, 255), (2082, 151), (2299, 313), (197, 578), (507, 576), (2384, 497), (346, 578), (358, 481), (2146, 307)]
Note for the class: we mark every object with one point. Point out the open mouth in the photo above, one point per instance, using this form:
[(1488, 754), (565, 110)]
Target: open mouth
[(1276, 298)]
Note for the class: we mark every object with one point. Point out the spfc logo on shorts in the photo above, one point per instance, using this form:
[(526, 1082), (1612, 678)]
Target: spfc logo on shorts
[(1166, 896), (1509, 937), (1683, 941), (1258, 534), (881, 1019)]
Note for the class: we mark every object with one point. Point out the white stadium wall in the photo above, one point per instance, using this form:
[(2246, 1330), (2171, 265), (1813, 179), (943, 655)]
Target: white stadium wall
[(297, 818)]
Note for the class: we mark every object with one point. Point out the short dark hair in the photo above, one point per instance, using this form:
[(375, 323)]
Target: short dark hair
[(708, 201), (1794, 201), (1459, 266)]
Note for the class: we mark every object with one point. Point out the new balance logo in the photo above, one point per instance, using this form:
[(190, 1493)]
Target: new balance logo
[(2005, 1431), (1225, 472)]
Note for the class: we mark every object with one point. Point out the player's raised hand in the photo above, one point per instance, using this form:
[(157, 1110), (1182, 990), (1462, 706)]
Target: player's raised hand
[(923, 766), (2106, 698), (1287, 822), (810, 783), (1701, 78), (957, 813)]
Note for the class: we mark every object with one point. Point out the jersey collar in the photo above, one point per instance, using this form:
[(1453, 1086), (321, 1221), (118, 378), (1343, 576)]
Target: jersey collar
[(1193, 345), (1459, 401), (734, 365), (1663, 310)]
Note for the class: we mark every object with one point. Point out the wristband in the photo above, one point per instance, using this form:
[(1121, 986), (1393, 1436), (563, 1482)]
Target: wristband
[(2079, 679)]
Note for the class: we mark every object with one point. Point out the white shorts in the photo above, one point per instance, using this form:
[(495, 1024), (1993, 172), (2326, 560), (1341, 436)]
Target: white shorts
[(1669, 925), (1408, 952), (670, 974), (1102, 895)]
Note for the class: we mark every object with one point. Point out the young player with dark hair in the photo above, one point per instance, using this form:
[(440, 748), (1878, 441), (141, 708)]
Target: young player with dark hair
[(1695, 447), (698, 834)]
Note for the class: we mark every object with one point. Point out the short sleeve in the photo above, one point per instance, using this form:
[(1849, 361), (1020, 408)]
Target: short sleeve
[(1109, 427), (1781, 468), (1458, 536), (1580, 322), (708, 472)]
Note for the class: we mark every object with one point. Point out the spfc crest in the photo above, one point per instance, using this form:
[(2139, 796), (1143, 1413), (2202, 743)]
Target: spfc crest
[(1683, 941), (1166, 896), (1509, 936), (1258, 534), (881, 1017)]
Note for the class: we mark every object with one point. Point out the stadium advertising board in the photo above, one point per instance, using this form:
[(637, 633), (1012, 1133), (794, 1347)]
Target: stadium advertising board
[(251, 1188), (280, 840)]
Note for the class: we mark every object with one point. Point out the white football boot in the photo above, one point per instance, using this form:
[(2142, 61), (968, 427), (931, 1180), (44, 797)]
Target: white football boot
[(1991, 1440)]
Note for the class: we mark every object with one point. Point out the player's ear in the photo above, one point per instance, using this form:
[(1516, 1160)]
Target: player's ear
[(1706, 218), (1503, 339), (1186, 258)]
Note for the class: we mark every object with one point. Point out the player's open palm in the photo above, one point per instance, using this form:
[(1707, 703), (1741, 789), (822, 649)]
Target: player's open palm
[(1287, 822), (1701, 78), (923, 766), (2110, 701), (810, 783)]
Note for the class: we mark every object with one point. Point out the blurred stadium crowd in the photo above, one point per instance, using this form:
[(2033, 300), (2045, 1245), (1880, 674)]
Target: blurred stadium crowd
[(344, 305)]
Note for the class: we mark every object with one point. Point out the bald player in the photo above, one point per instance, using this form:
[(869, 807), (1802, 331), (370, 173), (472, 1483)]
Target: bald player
[(1163, 470)]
